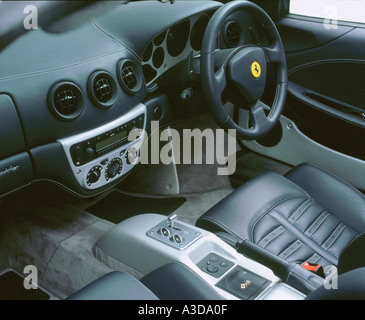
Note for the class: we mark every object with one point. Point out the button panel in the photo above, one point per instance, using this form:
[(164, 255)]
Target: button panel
[(215, 265)]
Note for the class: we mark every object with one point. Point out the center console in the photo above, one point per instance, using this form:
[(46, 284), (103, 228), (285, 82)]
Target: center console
[(149, 241)]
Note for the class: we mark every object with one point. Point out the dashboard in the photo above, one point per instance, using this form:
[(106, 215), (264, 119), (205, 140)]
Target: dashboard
[(68, 100)]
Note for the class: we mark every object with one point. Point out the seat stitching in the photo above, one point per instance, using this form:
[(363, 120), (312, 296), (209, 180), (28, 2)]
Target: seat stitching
[(289, 247), (314, 258), (339, 229), (273, 235), (229, 230), (301, 236), (268, 211), (317, 223), (292, 219)]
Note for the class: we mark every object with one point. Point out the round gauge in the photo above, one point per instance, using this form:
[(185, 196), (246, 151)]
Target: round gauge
[(197, 33), (148, 52), (177, 38), (158, 57), (159, 39)]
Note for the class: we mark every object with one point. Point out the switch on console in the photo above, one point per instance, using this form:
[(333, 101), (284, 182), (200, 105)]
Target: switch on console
[(215, 265)]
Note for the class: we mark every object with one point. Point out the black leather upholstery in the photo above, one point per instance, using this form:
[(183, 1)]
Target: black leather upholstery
[(308, 216), (114, 286), (176, 281), (173, 281)]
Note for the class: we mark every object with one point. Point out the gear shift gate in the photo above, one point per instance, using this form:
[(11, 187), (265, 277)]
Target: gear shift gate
[(173, 233)]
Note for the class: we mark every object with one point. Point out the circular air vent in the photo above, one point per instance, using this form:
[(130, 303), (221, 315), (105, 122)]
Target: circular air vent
[(232, 34), (129, 76), (102, 89), (65, 101)]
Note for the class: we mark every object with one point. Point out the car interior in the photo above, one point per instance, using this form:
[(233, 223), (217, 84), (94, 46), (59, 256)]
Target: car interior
[(181, 150)]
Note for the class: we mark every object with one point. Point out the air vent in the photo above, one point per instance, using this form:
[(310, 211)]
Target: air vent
[(65, 101), (232, 34), (102, 89), (129, 76)]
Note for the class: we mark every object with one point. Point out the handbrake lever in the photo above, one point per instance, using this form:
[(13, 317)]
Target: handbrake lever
[(279, 266)]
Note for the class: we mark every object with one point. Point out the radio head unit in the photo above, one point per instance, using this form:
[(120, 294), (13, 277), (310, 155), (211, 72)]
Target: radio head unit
[(96, 146)]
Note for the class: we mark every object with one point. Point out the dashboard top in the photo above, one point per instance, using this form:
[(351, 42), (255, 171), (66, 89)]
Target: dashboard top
[(56, 83), (137, 23)]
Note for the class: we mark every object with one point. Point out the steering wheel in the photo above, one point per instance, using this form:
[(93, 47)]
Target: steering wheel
[(245, 68)]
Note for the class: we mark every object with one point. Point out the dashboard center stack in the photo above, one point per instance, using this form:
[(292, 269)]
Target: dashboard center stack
[(105, 154)]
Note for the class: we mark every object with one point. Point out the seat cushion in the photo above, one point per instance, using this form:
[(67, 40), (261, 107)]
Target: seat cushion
[(307, 216)]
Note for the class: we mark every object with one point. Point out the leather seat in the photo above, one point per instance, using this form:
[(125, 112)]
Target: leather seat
[(173, 281), (310, 215)]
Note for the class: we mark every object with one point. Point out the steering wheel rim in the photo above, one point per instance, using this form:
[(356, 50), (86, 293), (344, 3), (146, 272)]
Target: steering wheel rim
[(240, 67)]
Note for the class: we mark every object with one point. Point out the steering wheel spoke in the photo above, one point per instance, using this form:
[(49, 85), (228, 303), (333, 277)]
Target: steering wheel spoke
[(273, 54), (220, 80), (221, 58), (260, 120)]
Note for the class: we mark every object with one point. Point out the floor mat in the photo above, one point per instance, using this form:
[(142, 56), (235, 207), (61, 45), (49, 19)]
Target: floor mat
[(197, 204), (117, 207), (12, 288)]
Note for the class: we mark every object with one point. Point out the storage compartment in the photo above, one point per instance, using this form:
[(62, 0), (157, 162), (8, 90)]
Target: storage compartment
[(243, 283)]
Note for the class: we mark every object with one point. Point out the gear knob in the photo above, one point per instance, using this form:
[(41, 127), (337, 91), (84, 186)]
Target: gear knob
[(170, 219)]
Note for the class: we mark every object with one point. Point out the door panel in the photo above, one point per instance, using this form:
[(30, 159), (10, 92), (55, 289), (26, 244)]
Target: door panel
[(326, 98), (330, 75), (299, 35)]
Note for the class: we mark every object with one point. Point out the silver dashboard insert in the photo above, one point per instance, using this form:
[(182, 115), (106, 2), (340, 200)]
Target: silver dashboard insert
[(100, 156)]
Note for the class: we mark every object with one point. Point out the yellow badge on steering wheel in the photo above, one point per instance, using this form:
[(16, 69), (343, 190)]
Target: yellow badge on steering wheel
[(256, 69)]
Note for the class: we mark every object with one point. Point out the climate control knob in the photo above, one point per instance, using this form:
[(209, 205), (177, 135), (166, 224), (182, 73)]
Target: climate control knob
[(93, 175), (114, 168)]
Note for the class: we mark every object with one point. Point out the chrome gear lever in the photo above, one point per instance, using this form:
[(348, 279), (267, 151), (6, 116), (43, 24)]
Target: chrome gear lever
[(170, 220)]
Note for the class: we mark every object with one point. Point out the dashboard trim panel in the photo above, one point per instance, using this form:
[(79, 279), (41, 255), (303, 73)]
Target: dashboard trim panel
[(121, 153)]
